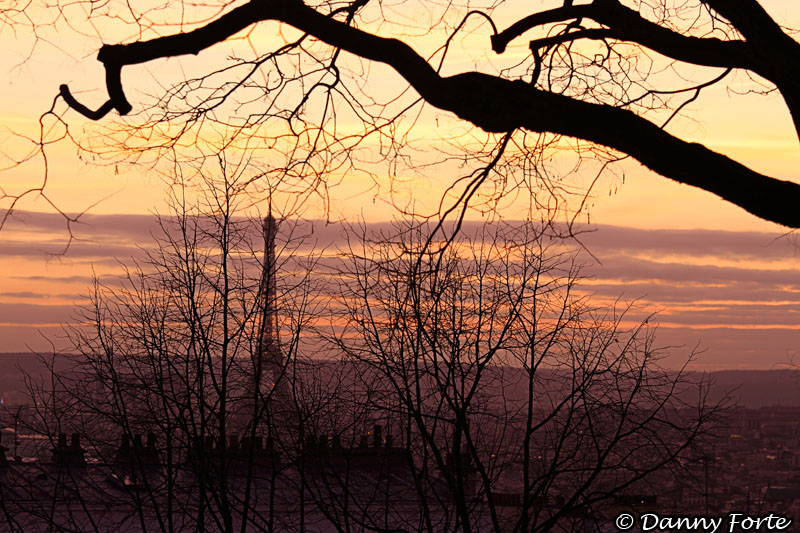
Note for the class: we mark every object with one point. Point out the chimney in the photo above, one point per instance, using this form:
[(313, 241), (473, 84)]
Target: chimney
[(3, 460), (376, 436), (68, 455)]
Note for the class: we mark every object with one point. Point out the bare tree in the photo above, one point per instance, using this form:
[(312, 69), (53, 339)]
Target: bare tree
[(467, 385), (179, 383), (522, 407), (591, 74)]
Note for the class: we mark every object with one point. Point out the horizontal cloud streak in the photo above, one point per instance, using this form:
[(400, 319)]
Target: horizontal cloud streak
[(636, 269), (709, 286), (28, 314), (101, 251), (737, 245)]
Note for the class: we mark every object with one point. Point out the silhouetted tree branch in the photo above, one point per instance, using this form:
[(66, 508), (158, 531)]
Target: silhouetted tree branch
[(499, 104), (511, 385)]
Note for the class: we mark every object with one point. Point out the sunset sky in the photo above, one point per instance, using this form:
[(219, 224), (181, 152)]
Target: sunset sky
[(717, 276)]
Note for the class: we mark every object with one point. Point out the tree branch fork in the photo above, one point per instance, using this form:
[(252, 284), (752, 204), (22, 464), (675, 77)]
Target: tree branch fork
[(497, 104)]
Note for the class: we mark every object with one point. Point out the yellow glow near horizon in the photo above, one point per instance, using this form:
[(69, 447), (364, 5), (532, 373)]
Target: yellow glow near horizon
[(753, 129)]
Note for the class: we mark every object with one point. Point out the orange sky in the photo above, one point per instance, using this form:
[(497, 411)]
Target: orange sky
[(753, 129)]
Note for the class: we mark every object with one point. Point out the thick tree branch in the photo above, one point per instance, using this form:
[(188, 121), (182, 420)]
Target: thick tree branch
[(500, 105), (752, 21), (501, 40), (597, 34), (766, 50), (114, 57), (626, 24), (778, 54)]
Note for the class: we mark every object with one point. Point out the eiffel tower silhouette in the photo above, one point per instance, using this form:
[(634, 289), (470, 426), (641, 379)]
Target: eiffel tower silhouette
[(271, 363)]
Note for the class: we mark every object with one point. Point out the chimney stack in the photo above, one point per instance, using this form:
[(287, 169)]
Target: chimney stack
[(73, 454), (3, 460), (377, 440)]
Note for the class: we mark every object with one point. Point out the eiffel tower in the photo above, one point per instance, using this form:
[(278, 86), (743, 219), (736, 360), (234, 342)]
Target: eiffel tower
[(270, 373)]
